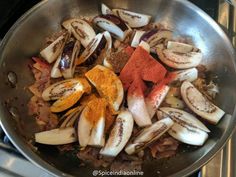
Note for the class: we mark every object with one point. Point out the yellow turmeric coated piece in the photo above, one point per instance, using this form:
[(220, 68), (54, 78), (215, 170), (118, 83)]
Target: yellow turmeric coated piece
[(69, 100), (107, 84), (96, 109)]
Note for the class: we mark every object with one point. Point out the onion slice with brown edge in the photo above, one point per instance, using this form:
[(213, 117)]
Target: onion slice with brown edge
[(93, 50), (199, 104), (112, 24), (133, 19), (148, 135), (52, 51), (81, 30), (119, 134), (57, 136)]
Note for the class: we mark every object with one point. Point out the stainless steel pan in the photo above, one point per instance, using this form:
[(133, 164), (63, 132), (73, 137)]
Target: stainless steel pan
[(26, 37)]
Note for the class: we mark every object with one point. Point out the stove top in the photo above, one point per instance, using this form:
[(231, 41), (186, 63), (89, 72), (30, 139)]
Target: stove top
[(12, 163)]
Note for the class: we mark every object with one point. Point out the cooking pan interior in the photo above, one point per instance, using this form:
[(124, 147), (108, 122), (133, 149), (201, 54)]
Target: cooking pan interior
[(26, 38)]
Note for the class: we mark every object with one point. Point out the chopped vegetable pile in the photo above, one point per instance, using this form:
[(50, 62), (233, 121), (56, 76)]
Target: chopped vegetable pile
[(121, 88)]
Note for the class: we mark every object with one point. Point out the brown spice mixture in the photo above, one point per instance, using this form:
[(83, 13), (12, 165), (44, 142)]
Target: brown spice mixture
[(118, 60)]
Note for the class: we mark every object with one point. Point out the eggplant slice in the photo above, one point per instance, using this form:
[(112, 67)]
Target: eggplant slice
[(133, 19), (112, 24), (93, 50), (51, 52), (69, 58), (148, 135), (81, 30), (199, 104)]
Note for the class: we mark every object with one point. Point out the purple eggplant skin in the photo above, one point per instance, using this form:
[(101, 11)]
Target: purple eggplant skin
[(148, 34), (66, 55), (97, 52), (116, 20)]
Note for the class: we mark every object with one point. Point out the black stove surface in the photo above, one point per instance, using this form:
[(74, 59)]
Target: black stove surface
[(11, 10)]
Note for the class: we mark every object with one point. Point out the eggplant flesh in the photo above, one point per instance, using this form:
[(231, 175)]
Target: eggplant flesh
[(51, 52), (68, 57), (148, 135), (113, 24), (199, 104), (119, 135), (81, 30), (93, 50), (187, 128), (133, 19), (57, 136)]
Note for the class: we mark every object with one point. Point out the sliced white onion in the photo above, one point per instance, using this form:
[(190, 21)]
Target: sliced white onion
[(51, 52), (93, 50), (113, 24), (133, 19), (80, 29), (136, 39), (119, 135), (199, 104), (148, 135), (56, 136)]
